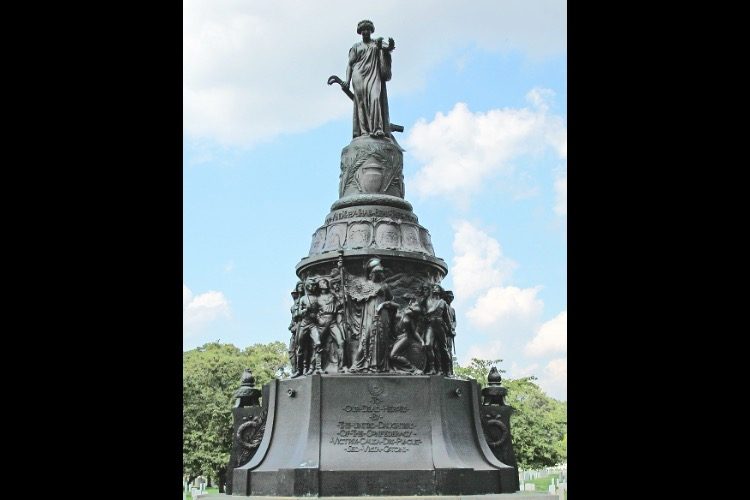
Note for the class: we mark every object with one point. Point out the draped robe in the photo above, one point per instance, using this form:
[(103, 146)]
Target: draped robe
[(371, 68)]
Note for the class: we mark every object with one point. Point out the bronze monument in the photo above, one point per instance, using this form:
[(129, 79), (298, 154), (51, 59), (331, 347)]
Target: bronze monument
[(372, 407)]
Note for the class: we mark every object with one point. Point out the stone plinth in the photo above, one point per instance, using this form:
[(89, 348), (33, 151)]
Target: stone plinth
[(375, 435)]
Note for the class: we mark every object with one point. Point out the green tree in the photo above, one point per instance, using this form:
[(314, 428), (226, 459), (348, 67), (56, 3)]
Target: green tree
[(478, 369), (539, 422), (210, 375)]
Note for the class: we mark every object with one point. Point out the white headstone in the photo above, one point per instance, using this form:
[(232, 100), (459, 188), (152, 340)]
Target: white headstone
[(529, 487)]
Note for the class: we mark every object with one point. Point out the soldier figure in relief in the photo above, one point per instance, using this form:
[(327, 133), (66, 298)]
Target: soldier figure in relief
[(452, 334), (407, 334), (299, 291), (308, 359), (438, 326), (330, 314)]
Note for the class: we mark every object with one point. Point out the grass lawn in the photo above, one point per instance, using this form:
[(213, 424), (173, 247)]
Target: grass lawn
[(209, 491), (542, 483)]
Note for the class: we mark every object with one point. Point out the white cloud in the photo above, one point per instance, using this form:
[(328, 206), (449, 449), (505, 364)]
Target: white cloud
[(461, 150), (507, 310), (552, 337), (561, 196), (187, 296), (478, 261), (554, 380), (490, 350), (518, 371), (200, 310), (480, 268), (539, 98), (253, 70)]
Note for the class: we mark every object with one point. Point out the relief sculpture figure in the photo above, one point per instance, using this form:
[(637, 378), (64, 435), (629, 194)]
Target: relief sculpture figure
[(299, 291), (376, 321), (308, 356), (452, 333), (406, 335), (330, 315), (435, 338)]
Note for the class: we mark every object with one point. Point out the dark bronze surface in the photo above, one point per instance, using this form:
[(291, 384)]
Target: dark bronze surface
[(372, 407)]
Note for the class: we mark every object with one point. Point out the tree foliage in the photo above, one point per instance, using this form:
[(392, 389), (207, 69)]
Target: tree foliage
[(210, 375), (477, 369), (539, 422)]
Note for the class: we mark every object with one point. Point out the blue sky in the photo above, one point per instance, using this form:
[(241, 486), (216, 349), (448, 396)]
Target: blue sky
[(481, 89)]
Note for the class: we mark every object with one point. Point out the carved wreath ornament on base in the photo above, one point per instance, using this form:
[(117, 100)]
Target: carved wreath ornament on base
[(371, 166), (249, 435), (494, 421)]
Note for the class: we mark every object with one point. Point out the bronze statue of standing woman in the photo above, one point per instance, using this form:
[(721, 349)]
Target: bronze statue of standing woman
[(368, 70)]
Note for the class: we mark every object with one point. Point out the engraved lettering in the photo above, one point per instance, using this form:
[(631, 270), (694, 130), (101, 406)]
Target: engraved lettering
[(379, 434), (349, 213)]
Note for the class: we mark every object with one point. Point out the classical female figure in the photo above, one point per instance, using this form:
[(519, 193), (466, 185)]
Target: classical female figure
[(369, 68), (375, 322)]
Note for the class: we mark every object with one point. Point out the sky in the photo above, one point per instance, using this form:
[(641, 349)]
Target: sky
[(481, 89)]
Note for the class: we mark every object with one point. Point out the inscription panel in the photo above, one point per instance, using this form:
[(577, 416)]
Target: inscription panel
[(410, 238), (335, 237), (426, 240), (319, 239), (387, 235), (376, 423), (359, 235)]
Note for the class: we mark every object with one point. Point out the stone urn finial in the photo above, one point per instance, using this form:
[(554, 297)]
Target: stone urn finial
[(248, 379), (494, 393), (247, 394), (494, 377)]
